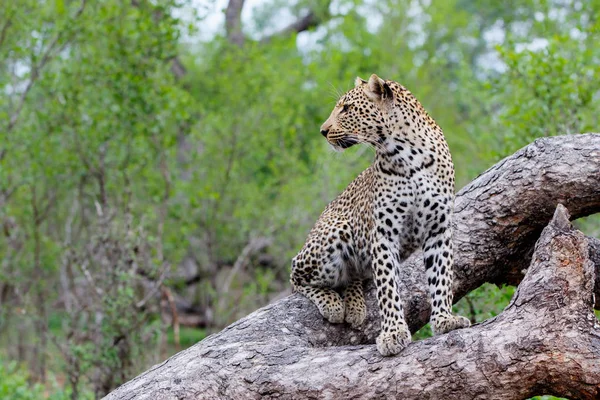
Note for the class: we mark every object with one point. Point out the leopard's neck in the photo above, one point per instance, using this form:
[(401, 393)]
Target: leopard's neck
[(413, 140), (408, 151)]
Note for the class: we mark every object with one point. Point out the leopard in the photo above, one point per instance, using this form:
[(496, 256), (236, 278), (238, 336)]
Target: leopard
[(402, 202)]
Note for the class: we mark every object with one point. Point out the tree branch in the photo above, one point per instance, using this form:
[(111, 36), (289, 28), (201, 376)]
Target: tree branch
[(233, 23), (4, 29), (595, 258), (310, 20), (177, 68)]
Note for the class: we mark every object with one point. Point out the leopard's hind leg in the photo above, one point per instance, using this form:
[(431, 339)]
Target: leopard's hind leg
[(323, 264)]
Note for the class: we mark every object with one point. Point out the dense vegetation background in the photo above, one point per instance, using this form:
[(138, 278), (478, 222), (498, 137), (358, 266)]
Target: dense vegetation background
[(161, 164)]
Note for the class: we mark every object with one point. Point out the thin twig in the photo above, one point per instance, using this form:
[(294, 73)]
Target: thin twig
[(4, 30), (157, 285), (175, 317), (90, 279)]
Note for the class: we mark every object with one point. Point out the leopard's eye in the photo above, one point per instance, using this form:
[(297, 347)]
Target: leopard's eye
[(345, 107)]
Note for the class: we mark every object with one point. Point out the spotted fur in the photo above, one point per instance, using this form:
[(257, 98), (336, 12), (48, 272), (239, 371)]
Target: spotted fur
[(403, 201)]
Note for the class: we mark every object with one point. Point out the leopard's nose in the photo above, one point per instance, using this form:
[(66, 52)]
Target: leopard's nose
[(324, 132)]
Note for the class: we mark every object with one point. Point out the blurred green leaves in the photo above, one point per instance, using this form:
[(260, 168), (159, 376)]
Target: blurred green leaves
[(548, 92), (14, 384)]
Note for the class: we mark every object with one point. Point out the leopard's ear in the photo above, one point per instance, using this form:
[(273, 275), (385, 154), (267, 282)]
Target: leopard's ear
[(359, 81), (377, 90)]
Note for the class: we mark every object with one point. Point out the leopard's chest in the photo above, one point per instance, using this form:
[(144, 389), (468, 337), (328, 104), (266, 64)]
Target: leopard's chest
[(383, 204)]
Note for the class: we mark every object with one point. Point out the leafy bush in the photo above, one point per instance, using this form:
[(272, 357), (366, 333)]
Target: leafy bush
[(15, 385)]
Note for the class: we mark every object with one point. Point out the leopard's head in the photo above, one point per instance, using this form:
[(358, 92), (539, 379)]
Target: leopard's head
[(360, 115)]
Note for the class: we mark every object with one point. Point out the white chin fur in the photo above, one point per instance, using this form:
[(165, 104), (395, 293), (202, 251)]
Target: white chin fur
[(336, 148)]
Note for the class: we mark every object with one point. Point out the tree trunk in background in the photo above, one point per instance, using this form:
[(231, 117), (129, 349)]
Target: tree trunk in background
[(235, 34), (545, 342), (233, 22)]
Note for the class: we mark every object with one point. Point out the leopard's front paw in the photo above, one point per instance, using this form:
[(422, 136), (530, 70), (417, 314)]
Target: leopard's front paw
[(356, 314), (392, 343), (447, 322), (333, 311)]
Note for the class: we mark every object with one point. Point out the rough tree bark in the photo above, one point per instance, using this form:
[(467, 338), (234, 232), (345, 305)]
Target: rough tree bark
[(282, 349)]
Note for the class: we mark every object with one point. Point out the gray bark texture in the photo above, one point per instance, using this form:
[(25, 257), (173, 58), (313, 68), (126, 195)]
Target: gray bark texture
[(233, 22), (547, 341)]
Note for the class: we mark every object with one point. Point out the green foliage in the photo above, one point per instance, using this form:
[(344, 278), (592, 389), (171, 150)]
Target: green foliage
[(107, 350), (551, 80), (187, 336), (485, 302), (423, 333), (14, 385), (89, 142), (548, 92)]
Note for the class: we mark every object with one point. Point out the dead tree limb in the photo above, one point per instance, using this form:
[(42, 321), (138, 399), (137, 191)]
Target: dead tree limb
[(499, 216), (311, 20), (235, 34), (547, 341)]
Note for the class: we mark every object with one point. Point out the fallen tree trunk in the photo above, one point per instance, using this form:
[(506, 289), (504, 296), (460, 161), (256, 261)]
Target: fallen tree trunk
[(498, 218)]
